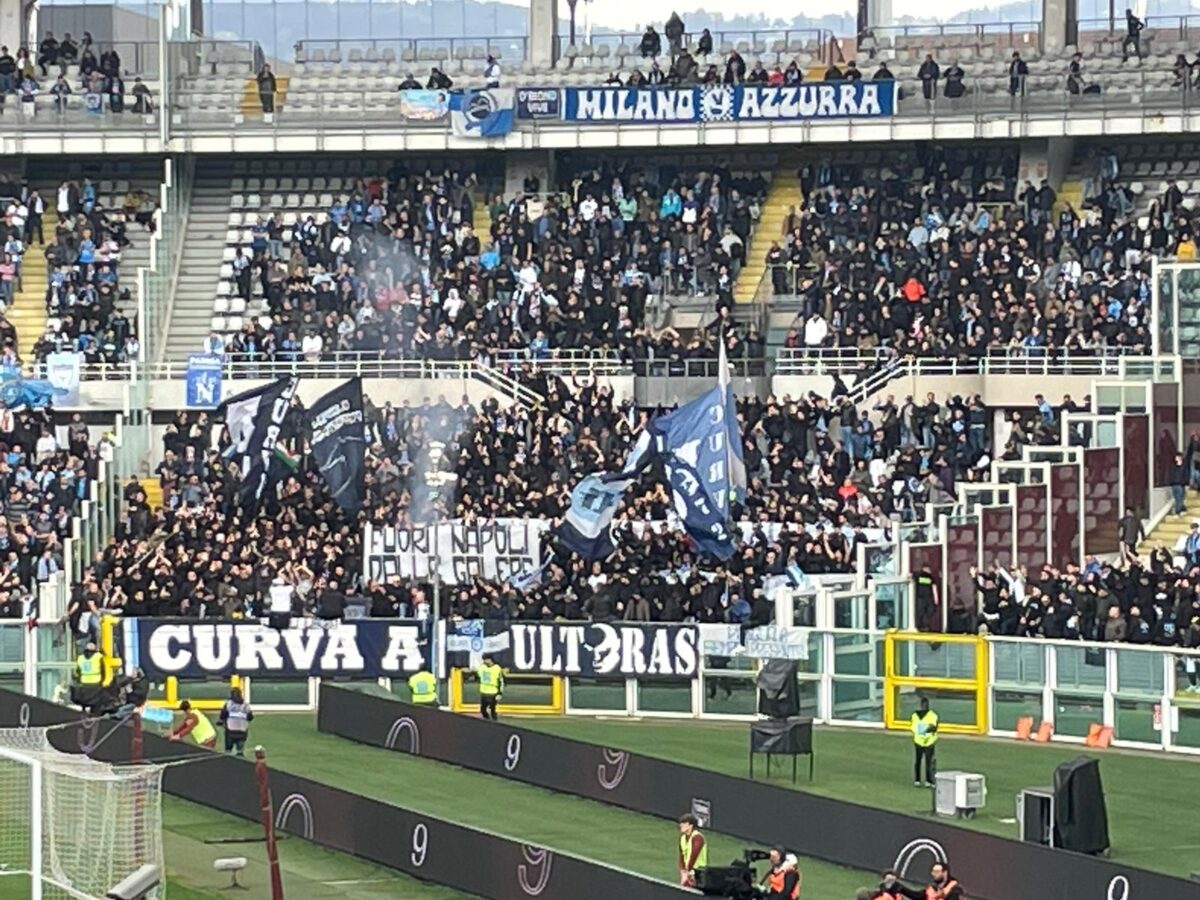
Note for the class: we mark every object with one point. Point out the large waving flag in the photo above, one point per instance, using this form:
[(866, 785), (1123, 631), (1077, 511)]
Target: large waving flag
[(256, 420), (335, 427), (693, 444), (587, 526)]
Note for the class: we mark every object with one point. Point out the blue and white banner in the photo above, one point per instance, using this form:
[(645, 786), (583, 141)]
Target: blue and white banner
[(203, 389), (728, 103), (764, 642), (188, 648), (589, 650), (424, 105), (693, 444), (539, 103), (482, 113), (62, 372), (587, 526)]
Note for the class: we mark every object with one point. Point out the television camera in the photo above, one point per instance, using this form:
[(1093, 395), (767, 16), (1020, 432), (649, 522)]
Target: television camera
[(737, 881)]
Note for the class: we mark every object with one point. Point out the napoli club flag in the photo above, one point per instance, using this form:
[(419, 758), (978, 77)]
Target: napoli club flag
[(482, 113), (336, 431)]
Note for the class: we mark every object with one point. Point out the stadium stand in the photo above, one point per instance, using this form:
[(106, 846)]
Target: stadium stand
[(544, 261)]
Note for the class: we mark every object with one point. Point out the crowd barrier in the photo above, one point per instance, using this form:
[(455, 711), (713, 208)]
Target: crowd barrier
[(422, 846), (845, 833)]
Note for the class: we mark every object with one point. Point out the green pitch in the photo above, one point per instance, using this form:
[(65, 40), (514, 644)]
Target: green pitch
[(875, 768), (569, 824)]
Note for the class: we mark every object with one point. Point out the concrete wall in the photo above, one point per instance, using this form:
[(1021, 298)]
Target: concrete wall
[(171, 394)]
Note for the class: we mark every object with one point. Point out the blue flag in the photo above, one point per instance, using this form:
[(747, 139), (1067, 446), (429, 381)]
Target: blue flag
[(694, 445), (587, 526), (482, 112)]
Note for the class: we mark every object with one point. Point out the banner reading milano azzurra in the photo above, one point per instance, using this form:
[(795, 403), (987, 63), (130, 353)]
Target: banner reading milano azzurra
[(742, 103)]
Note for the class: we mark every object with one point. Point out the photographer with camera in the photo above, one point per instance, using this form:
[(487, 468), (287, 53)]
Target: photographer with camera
[(783, 880)]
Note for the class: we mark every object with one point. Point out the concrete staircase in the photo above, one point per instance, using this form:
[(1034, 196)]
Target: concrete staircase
[(251, 104), (783, 193), (483, 221), (153, 491), (200, 267), (1070, 192), (28, 310), (1171, 528)]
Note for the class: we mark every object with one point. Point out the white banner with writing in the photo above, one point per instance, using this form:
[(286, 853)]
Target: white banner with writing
[(764, 642), (495, 549)]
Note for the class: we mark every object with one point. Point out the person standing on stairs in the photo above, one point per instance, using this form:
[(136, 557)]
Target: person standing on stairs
[(266, 88), (33, 223)]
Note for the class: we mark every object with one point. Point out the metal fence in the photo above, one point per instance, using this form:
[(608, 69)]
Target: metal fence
[(510, 48)]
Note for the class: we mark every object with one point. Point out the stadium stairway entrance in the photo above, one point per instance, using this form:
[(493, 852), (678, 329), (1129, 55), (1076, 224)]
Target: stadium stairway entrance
[(28, 310), (191, 312), (783, 193), (1171, 528)]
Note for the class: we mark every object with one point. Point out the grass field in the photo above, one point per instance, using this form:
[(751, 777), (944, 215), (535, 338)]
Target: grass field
[(309, 872), (875, 768), (569, 824)]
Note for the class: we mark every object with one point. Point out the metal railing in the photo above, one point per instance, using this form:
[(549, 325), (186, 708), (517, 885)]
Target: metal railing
[(1146, 92), (1178, 28), (565, 362), (962, 35), (511, 48), (1106, 361), (811, 40)]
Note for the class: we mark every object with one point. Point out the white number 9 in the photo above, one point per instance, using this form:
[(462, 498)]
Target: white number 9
[(512, 753), (420, 844), (1118, 888)]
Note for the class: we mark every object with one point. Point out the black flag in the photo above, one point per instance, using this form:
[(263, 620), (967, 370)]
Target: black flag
[(256, 420), (336, 430)]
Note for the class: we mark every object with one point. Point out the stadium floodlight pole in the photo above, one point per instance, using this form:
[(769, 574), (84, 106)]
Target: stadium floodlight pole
[(268, 820)]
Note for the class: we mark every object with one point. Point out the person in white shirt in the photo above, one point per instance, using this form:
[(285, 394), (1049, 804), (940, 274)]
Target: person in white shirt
[(587, 208), (816, 329), (311, 346), (46, 446), (491, 74)]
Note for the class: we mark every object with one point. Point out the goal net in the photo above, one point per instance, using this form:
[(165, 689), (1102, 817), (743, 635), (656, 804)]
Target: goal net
[(72, 827)]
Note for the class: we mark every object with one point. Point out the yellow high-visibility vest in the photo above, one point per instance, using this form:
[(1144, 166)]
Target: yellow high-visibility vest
[(204, 730), (490, 679), (923, 732), (91, 668), (423, 687)]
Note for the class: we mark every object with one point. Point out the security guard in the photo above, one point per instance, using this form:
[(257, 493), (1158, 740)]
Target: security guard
[(196, 724), (783, 881), (89, 667), (942, 886), (925, 735), (491, 686), (88, 688), (423, 688), (693, 850)]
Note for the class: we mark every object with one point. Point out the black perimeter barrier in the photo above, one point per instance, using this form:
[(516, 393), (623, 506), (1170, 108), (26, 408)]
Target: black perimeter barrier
[(849, 834), (433, 850)]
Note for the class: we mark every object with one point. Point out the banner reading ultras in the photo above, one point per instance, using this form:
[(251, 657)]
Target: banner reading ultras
[(587, 650), (822, 100), (191, 649)]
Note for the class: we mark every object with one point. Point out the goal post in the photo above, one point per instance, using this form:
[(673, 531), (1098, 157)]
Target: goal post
[(72, 827)]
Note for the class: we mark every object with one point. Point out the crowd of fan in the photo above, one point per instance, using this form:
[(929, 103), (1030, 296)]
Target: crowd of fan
[(41, 486), (1154, 601), (398, 271), (81, 68), (86, 303), (946, 265), (822, 480)]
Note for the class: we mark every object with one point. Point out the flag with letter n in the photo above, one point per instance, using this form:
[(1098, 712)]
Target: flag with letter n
[(335, 427), (693, 445), (256, 421)]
